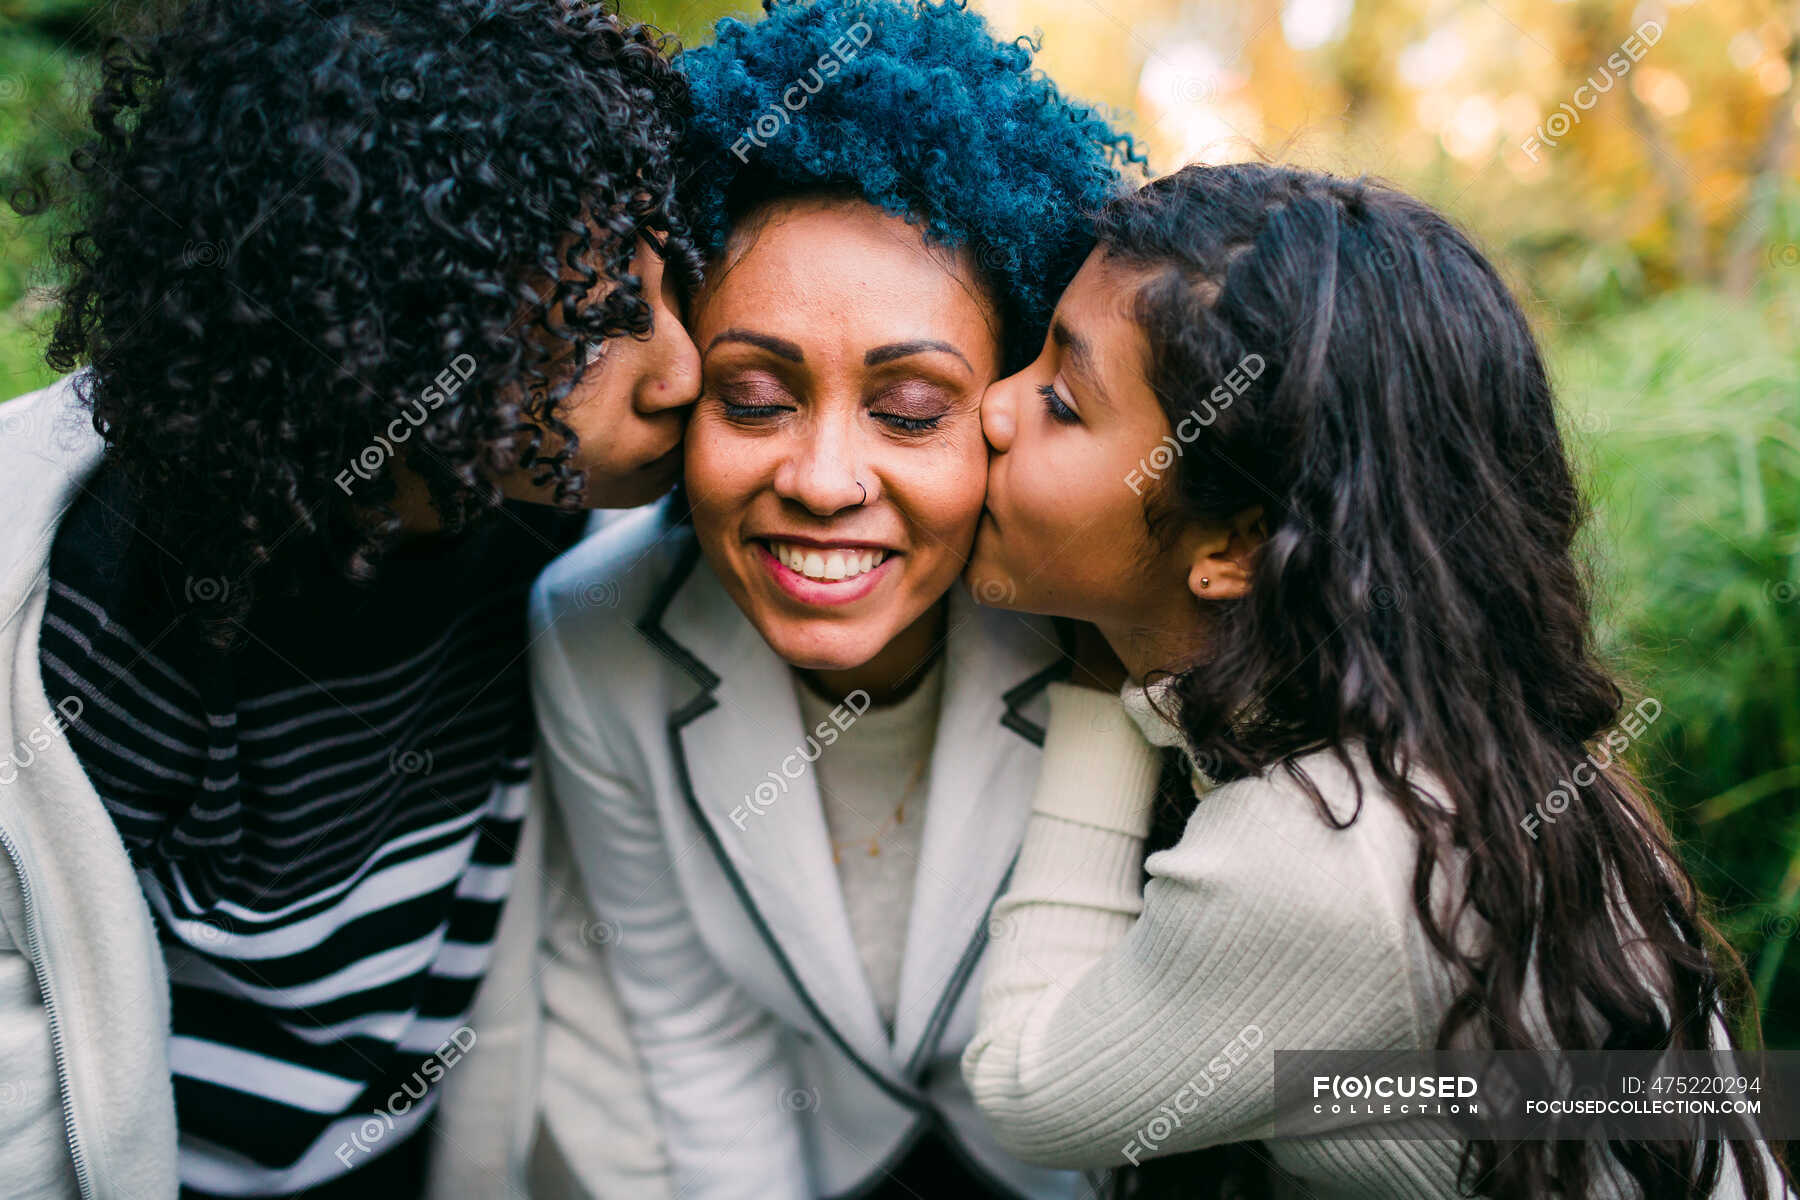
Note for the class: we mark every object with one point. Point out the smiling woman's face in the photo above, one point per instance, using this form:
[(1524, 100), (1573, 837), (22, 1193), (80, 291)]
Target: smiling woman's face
[(835, 460)]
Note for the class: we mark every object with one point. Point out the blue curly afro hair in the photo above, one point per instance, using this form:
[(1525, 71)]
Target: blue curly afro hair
[(918, 108)]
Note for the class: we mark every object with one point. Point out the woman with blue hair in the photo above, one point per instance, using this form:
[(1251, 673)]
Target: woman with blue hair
[(793, 758)]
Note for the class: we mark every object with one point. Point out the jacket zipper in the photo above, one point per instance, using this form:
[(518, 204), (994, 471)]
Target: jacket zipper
[(34, 951)]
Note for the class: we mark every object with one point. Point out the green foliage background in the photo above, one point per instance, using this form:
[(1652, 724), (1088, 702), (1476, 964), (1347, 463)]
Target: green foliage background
[(1682, 394)]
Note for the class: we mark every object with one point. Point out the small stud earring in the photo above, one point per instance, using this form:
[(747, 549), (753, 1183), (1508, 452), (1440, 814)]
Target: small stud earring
[(1205, 582)]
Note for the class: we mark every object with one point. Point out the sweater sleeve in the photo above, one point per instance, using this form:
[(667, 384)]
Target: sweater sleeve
[(1115, 1027)]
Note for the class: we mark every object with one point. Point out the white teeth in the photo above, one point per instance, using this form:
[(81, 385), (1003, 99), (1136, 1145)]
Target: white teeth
[(829, 565)]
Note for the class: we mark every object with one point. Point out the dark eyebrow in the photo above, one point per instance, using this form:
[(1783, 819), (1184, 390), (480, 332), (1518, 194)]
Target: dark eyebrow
[(1072, 344), (780, 347), (888, 353), (1081, 356)]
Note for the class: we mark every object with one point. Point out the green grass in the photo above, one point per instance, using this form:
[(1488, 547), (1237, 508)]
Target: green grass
[(1688, 410)]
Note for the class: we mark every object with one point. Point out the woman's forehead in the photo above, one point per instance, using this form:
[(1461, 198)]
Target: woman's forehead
[(844, 273)]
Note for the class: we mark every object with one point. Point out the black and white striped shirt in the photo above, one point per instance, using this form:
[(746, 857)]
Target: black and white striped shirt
[(323, 820)]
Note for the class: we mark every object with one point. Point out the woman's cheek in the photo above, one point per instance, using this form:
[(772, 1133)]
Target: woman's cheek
[(713, 462), (944, 504)]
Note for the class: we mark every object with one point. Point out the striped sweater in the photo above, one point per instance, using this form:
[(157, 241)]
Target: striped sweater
[(323, 821)]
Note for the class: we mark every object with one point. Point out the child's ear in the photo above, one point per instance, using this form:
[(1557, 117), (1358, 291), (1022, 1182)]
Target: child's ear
[(1223, 560)]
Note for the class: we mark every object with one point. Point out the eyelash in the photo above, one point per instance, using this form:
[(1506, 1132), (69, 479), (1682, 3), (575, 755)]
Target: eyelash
[(752, 412), (1059, 412), (908, 424), (757, 412)]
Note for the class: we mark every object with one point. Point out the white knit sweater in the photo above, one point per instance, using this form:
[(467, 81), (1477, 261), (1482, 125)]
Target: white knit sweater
[(1106, 1008)]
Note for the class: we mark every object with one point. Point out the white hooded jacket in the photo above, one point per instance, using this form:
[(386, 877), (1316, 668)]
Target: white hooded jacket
[(87, 1107)]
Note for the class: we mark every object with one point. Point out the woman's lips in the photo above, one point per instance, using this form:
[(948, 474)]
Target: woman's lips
[(826, 591)]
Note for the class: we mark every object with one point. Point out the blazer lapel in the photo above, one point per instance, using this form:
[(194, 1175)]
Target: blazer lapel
[(744, 762), (984, 770)]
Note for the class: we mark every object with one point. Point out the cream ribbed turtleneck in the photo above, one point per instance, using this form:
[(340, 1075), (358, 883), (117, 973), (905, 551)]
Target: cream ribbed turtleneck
[(872, 783), (1121, 1022)]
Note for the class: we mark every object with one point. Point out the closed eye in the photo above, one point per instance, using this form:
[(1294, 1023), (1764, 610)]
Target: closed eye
[(753, 412), (912, 406), (753, 399), (908, 424), (1059, 411)]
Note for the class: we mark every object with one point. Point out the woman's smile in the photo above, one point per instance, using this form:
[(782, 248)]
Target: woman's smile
[(813, 571)]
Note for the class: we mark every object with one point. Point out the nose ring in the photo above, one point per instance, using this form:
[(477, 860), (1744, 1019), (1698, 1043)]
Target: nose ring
[(865, 495)]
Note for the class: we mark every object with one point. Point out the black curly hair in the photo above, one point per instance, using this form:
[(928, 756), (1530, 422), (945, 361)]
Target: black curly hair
[(916, 107), (294, 219)]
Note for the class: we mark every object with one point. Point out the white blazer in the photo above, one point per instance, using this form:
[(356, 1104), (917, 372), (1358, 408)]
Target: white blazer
[(662, 714), (87, 1111)]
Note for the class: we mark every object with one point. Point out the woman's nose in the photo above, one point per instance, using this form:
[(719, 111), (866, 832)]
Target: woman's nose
[(821, 473), (999, 416)]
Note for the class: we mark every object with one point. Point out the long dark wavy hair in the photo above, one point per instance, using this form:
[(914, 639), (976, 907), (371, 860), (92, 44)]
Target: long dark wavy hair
[(1419, 594), (293, 218)]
